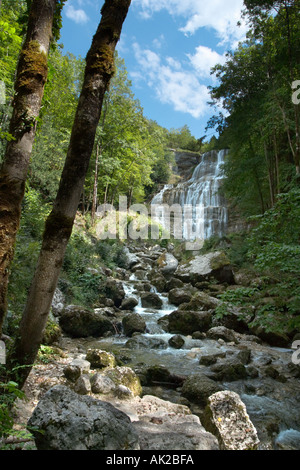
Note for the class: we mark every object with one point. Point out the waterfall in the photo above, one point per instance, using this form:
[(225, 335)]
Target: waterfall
[(203, 208)]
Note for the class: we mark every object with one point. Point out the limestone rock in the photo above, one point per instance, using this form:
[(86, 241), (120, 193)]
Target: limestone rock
[(226, 417), (64, 420), (188, 322), (151, 300), (100, 359), (125, 376), (204, 267), (176, 342), (129, 304), (179, 296), (167, 264), (198, 387)]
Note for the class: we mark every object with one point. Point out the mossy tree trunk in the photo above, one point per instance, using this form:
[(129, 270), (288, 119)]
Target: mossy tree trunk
[(29, 88), (98, 72)]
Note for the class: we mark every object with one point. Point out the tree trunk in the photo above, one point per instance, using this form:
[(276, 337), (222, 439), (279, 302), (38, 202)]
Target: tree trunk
[(98, 72), (29, 88), (95, 188)]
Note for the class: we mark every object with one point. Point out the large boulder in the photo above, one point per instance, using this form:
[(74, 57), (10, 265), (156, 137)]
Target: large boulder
[(167, 264), (151, 300), (64, 420), (130, 259), (198, 387), (129, 303), (227, 418), (222, 332), (133, 323), (187, 322), (79, 322), (203, 267)]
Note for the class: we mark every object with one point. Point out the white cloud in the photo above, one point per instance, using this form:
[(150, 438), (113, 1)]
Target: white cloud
[(172, 84), (219, 15), (204, 59), (77, 15)]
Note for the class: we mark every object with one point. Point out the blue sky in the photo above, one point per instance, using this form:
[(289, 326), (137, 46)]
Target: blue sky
[(169, 47)]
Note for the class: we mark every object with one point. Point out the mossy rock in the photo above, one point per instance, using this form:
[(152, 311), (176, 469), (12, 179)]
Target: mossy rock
[(125, 376), (100, 359), (52, 333)]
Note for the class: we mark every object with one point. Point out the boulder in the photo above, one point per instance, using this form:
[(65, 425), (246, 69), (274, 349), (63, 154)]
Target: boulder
[(174, 283), (129, 304), (161, 375), (133, 323), (125, 376), (179, 296), (226, 417), (130, 259), (79, 322), (176, 342), (203, 267), (64, 420), (83, 385), (187, 323), (158, 281), (200, 301), (151, 300), (222, 332), (229, 370), (167, 264), (198, 387), (100, 359), (277, 339)]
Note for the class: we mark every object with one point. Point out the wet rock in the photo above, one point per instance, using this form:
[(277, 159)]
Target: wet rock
[(226, 417), (64, 420), (198, 387), (129, 304), (288, 440), (100, 359), (130, 258), (179, 296), (158, 281), (222, 332), (210, 359), (133, 323), (200, 301), (176, 342), (79, 322), (161, 375), (72, 372), (151, 300), (143, 342), (229, 370), (204, 267)]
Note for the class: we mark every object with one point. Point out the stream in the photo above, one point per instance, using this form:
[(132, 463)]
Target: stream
[(272, 402)]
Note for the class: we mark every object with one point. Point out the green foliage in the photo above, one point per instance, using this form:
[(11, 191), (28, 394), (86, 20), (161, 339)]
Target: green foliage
[(240, 297)]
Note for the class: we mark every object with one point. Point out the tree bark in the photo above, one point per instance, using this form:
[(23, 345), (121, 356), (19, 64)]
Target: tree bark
[(29, 88), (58, 228), (95, 187)]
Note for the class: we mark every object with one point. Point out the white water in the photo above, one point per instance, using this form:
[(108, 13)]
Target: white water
[(204, 209)]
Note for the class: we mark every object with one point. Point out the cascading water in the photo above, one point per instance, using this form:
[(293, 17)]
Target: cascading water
[(204, 209)]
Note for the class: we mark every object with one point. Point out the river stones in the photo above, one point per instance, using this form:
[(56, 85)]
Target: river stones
[(198, 387), (79, 322), (179, 296), (100, 359), (187, 323), (129, 304)]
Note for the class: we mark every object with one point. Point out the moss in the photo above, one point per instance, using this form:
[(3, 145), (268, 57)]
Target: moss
[(33, 68), (52, 333), (101, 61)]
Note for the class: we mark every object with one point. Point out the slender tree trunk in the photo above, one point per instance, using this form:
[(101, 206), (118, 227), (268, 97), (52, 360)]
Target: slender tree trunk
[(95, 188), (98, 72), (29, 88)]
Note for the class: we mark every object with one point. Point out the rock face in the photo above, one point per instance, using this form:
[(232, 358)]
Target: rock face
[(226, 417), (69, 421), (79, 322), (201, 268)]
